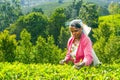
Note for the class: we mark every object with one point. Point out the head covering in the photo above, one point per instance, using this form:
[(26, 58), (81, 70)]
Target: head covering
[(78, 23)]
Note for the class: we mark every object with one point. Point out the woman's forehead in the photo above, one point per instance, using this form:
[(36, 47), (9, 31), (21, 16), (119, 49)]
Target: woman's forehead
[(73, 27)]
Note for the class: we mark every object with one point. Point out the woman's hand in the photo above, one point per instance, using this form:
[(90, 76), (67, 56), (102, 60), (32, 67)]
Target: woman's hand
[(78, 66), (62, 62)]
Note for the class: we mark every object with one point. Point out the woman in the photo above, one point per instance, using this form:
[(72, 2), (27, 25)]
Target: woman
[(79, 46)]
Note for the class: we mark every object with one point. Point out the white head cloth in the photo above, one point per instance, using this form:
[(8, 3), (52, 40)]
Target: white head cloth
[(86, 29)]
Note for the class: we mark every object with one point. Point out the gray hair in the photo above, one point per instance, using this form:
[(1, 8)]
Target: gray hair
[(76, 23)]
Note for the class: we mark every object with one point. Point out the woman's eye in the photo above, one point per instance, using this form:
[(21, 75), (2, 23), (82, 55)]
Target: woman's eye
[(76, 30)]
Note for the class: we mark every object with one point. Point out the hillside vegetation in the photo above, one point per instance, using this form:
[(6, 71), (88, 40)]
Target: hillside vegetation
[(48, 7)]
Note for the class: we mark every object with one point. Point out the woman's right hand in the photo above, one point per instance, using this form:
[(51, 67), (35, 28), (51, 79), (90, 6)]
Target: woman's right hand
[(62, 62)]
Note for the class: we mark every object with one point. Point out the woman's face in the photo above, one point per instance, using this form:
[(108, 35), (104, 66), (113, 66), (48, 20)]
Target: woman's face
[(76, 32)]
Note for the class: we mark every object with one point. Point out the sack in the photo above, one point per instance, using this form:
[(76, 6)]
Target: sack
[(96, 61)]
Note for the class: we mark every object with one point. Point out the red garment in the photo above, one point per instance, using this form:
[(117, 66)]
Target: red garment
[(84, 51)]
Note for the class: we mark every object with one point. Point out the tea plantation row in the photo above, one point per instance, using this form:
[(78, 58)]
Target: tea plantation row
[(20, 71)]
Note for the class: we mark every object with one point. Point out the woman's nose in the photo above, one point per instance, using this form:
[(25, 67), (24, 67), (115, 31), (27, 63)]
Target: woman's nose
[(73, 33)]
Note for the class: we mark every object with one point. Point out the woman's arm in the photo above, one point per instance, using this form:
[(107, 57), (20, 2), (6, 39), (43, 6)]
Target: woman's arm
[(88, 58)]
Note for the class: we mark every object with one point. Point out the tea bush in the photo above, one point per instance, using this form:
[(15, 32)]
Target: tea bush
[(20, 71)]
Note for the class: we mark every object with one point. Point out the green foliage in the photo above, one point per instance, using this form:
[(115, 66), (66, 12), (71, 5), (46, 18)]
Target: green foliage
[(8, 45), (44, 51), (9, 12), (112, 48), (107, 36), (88, 13), (37, 10), (102, 11), (104, 30), (47, 51), (63, 37), (114, 8), (24, 51), (72, 11), (77, 5), (68, 12), (35, 23), (19, 71), (57, 20), (101, 3)]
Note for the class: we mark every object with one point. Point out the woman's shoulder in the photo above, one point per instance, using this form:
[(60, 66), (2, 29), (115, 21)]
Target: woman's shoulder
[(70, 40), (84, 37)]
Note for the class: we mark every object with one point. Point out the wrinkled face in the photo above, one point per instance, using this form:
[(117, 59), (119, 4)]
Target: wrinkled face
[(76, 32)]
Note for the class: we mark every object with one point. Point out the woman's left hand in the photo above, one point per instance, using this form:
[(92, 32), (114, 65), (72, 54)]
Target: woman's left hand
[(78, 66)]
